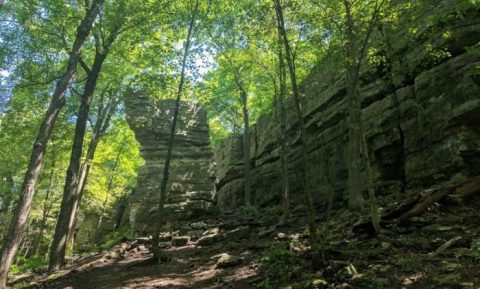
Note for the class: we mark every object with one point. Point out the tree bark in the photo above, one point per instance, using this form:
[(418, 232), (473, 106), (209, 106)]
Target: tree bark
[(101, 125), (47, 206), (246, 146), (358, 142), (157, 254), (70, 193), (70, 198), (22, 211), (316, 260), (122, 206), (283, 131)]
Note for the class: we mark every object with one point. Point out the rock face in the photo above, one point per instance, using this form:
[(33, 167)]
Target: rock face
[(422, 124), (191, 182)]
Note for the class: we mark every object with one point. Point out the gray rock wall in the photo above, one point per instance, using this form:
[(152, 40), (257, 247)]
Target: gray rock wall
[(422, 128), (191, 180)]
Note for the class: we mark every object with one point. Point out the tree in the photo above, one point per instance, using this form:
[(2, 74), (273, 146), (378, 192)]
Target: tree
[(237, 82), (246, 144), (47, 206), (281, 116), (303, 138), (110, 185), (106, 109), (19, 220), (157, 256), (358, 147), (71, 193)]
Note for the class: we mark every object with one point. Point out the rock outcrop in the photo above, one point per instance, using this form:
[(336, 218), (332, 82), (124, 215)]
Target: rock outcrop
[(191, 182), (422, 123)]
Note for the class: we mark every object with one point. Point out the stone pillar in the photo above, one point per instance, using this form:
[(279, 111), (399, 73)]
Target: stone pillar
[(191, 180)]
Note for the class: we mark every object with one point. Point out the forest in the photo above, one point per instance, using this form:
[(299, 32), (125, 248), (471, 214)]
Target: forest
[(240, 144)]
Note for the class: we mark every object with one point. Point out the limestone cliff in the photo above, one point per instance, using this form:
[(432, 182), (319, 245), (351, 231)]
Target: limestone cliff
[(422, 122), (190, 184)]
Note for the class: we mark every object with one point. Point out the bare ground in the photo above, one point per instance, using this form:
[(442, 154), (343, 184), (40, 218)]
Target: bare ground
[(404, 257)]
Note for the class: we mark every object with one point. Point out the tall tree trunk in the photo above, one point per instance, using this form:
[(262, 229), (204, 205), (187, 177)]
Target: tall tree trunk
[(316, 260), (22, 211), (109, 191), (102, 123), (47, 206), (354, 167), (246, 146), (122, 206), (157, 254), (358, 141), (283, 131), (70, 194), (84, 168)]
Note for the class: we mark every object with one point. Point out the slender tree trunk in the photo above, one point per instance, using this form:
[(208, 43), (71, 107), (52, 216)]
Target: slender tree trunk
[(316, 258), (355, 181), (246, 147), (84, 167), (109, 191), (22, 210), (70, 193), (355, 147), (357, 134), (101, 125), (122, 206), (283, 131), (47, 205), (157, 254)]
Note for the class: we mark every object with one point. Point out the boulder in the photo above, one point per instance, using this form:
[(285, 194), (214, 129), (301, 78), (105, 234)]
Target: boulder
[(238, 233), (227, 260), (210, 239)]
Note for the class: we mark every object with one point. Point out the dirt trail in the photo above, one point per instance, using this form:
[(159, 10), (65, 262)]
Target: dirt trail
[(226, 255), (129, 266), (189, 267)]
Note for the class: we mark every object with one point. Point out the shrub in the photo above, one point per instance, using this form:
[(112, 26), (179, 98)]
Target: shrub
[(280, 266), (475, 250), (33, 263), (116, 238)]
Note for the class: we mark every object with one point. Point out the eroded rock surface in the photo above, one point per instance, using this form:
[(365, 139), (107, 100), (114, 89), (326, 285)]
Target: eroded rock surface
[(190, 183), (422, 122)]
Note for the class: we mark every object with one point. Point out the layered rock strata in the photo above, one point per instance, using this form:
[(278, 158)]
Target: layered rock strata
[(422, 126), (191, 182)]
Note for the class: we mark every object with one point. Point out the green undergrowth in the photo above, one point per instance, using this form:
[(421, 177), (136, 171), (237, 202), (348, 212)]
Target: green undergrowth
[(401, 257), (475, 250), (280, 267), (24, 264), (116, 238)]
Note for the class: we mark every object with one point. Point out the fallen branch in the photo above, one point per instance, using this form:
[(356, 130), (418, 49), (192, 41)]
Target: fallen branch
[(445, 246), (420, 203)]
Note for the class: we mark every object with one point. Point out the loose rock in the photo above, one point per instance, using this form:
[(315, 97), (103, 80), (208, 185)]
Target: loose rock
[(227, 260)]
